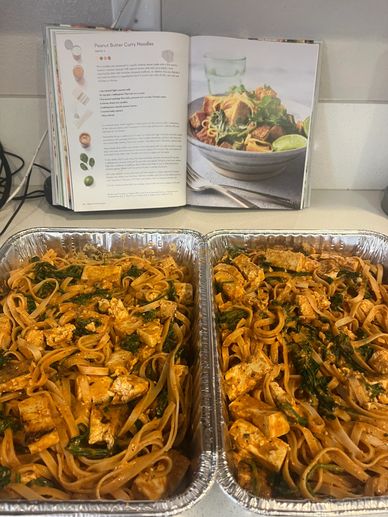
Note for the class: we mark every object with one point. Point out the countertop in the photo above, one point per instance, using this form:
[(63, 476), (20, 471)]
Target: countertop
[(330, 209)]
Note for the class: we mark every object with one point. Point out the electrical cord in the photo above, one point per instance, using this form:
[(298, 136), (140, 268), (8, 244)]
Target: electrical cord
[(5, 177), (6, 184), (28, 170), (17, 210), (22, 162), (42, 167)]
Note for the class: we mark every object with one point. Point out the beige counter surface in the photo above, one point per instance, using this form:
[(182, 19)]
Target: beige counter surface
[(330, 209)]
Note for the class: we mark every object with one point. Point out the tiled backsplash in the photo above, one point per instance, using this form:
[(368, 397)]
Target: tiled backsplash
[(351, 128)]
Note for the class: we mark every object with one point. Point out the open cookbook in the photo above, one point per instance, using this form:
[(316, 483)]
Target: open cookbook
[(157, 119)]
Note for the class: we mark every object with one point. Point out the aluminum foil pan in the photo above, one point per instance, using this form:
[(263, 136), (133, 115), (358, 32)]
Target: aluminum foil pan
[(186, 246), (366, 244)]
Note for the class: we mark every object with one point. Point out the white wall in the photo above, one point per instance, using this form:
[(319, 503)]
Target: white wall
[(351, 133)]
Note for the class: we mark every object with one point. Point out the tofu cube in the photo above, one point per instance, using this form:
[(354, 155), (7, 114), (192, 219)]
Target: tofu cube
[(104, 425), (151, 333), (38, 422), (59, 336), (97, 274), (99, 389), (270, 421), (287, 259), (269, 452), (36, 415), (44, 442), (254, 274), (306, 311), (167, 309), (127, 387), (245, 376)]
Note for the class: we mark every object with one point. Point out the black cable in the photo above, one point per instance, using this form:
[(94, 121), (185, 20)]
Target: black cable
[(35, 194), (6, 179), (22, 162), (6, 184), (43, 167), (23, 198)]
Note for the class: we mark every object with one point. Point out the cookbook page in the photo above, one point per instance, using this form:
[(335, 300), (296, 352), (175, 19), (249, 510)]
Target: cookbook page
[(251, 104), (124, 97)]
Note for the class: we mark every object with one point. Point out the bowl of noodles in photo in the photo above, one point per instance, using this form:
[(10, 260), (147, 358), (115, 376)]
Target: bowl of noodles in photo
[(247, 134)]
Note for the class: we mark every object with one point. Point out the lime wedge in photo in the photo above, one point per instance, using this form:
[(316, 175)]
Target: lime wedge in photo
[(306, 126), (289, 142)]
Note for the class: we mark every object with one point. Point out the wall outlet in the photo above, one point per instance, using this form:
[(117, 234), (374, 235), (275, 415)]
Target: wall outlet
[(137, 14)]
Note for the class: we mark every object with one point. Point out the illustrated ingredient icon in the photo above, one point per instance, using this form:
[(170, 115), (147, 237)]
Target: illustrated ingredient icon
[(78, 72), (85, 139), (86, 162)]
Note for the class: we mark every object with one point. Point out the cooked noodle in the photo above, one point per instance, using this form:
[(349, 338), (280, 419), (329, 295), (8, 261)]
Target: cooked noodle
[(303, 347), (95, 386)]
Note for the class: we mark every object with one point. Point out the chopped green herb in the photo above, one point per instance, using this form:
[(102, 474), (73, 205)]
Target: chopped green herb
[(46, 289), (148, 315), (31, 305), (171, 292), (150, 373), (231, 317), (235, 251), (134, 271), (342, 347), (170, 341), (8, 421), (5, 476), (4, 359), (336, 302), (82, 323), (45, 270), (74, 271), (375, 389), (162, 402), (366, 352), (279, 486), (347, 273), (84, 298), (79, 446), (312, 382), (41, 481), (131, 343), (138, 424), (218, 286), (291, 414), (183, 354)]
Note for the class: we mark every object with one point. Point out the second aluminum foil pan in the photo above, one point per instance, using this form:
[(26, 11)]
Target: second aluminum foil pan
[(368, 245)]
